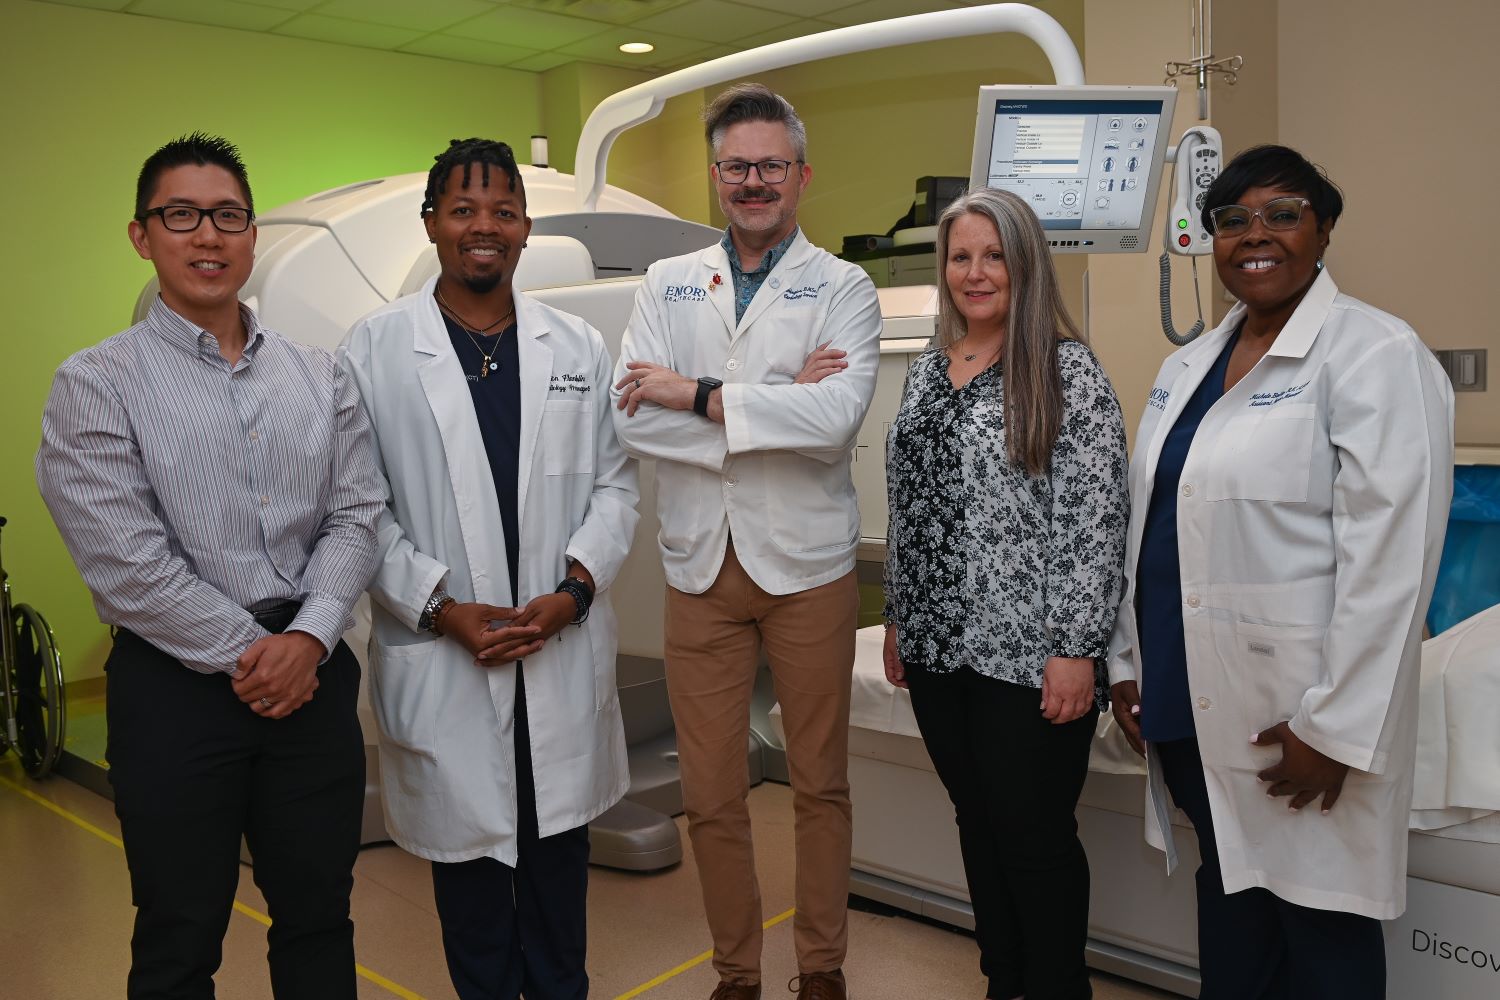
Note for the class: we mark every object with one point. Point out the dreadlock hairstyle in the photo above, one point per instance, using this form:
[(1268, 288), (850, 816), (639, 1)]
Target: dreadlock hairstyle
[(466, 153), (197, 149)]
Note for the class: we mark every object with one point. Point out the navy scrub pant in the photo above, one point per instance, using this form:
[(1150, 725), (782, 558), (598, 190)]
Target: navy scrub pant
[(1014, 779), (1253, 945), (522, 931), (193, 769)]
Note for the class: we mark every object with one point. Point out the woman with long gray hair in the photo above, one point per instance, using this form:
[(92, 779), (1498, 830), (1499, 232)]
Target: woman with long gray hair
[(1006, 470)]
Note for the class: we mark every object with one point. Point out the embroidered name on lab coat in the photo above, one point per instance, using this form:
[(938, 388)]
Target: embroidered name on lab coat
[(573, 382), (685, 293), (807, 293), (1272, 398), (1159, 398)]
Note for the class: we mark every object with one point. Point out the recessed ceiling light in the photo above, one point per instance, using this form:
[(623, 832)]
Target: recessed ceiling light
[(637, 48)]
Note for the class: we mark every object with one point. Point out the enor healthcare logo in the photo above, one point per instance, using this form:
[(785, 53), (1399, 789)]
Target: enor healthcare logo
[(685, 293)]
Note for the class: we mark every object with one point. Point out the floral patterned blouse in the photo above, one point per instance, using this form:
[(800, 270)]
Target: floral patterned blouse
[(987, 566)]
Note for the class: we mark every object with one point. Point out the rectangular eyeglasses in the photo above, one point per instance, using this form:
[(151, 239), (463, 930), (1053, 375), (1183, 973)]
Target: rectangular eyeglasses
[(186, 218), (738, 171), (1279, 213)]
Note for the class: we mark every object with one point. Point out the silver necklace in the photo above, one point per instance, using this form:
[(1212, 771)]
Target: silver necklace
[(487, 365)]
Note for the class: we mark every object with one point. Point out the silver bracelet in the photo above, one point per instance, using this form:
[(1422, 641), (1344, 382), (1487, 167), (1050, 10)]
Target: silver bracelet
[(427, 620)]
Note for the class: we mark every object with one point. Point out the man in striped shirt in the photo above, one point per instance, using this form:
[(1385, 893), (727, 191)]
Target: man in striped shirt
[(216, 485)]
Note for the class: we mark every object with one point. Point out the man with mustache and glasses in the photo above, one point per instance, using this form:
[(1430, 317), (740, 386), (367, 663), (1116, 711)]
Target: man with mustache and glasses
[(216, 485), (492, 647), (745, 372)]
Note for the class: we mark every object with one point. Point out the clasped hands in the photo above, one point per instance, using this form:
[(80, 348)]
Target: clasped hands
[(645, 382), (1304, 773), (277, 674), (496, 635)]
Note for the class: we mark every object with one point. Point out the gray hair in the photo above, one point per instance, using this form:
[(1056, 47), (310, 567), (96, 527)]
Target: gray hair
[(753, 102), (1036, 322)]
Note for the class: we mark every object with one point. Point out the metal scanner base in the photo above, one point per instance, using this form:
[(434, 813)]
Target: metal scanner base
[(634, 838)]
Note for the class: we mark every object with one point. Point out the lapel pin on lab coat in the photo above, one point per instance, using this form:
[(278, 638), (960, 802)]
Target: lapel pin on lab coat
[(717, 281)]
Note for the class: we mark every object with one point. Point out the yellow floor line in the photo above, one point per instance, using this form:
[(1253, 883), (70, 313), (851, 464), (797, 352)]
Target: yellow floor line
[(693, 962), (253, 914)]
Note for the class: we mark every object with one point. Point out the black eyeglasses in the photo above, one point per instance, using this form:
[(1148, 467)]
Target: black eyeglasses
[(1279, 213), (738, 171), (186, 218)]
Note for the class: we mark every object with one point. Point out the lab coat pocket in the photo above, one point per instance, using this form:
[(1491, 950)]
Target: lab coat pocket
[(785, 355), (402, 695), (1266, 455), (1274, 667), (818, 519), (567, 438)]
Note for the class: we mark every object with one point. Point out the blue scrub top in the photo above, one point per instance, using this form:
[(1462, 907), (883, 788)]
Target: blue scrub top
[(1166, 702), (497, 407)]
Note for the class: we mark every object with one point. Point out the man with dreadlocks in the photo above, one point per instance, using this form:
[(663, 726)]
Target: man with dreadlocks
[(511, 508)]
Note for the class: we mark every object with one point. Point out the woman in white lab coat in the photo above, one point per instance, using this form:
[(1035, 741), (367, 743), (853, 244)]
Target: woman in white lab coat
[(1289, 492)]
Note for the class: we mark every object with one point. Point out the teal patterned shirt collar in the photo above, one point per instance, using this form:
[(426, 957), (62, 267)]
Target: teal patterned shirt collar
[(747, 283)]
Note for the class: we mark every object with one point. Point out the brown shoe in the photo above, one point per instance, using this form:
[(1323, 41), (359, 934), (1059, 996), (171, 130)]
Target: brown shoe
[(820, 986), (735, 991)]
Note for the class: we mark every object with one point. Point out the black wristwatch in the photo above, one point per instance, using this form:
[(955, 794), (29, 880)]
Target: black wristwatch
[(706, 385)]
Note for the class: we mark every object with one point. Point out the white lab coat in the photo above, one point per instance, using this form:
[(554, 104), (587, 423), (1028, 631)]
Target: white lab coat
[(776, 472), (1310, 518), (447, 727)]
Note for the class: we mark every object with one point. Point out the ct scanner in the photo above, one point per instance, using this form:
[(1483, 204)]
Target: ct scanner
[(324, 261)]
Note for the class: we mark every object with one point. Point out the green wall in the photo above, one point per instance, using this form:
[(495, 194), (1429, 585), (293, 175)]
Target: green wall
[(89, 94)]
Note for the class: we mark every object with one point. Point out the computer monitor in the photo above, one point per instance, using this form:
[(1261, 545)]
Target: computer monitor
[(1087, 159)]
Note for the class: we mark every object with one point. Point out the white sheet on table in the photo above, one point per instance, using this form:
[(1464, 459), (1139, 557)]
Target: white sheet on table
[(1458, 739)]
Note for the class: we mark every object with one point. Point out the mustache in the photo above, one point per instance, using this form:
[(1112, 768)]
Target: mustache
[(756, 195)]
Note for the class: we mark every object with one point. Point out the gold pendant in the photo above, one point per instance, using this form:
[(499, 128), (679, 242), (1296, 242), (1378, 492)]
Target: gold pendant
[(484, 370)]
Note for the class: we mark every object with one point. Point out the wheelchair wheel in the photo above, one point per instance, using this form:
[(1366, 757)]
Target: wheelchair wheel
[(40, 705)]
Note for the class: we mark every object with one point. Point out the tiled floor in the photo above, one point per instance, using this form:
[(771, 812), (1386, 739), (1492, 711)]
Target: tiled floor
[(65, 909)]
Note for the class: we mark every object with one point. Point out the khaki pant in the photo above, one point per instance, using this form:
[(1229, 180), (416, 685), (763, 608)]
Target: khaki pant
[(712, 645)]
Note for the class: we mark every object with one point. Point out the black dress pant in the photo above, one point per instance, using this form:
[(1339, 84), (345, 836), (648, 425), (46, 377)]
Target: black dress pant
[(1254, 945), (522, 931), (194, 769), (1014, 779)]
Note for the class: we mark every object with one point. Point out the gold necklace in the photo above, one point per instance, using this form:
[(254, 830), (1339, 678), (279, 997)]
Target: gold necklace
[(486, 366)]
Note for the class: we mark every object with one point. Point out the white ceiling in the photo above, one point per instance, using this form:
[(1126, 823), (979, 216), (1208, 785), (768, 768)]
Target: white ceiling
[(534, 35)]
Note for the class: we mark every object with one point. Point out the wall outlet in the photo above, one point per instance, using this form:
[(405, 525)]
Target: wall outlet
[(1465, 368)]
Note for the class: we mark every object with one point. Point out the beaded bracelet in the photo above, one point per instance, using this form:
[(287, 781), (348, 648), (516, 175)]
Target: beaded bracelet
[(582, 596)]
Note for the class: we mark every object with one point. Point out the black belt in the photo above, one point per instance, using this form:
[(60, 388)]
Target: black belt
[(276, 617)]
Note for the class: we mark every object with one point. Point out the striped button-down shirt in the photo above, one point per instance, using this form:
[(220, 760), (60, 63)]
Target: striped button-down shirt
[(189, 490)]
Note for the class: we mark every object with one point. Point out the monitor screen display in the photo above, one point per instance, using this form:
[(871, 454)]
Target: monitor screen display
[(1086, 159)]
